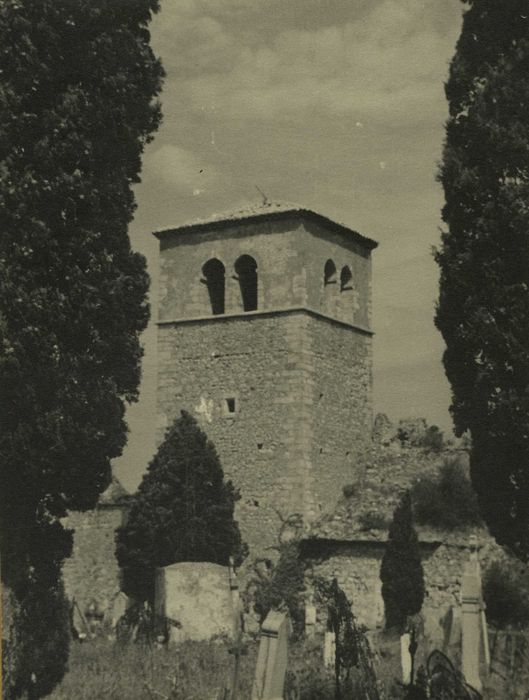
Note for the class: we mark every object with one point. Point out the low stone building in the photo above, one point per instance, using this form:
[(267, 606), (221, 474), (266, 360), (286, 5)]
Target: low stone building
[(92, 575), (345, 546)]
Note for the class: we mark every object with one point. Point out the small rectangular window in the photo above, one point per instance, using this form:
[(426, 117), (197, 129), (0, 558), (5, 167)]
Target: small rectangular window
[(230, 404)]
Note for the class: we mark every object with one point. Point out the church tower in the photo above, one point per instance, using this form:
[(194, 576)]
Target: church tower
[(264, 335)]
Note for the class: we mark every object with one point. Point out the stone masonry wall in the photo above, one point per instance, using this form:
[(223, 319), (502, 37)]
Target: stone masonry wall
[(356, 565), (255, 361), (92, 572), (290, 257), (341, 414)]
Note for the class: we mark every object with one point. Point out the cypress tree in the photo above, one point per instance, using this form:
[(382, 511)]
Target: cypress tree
[(483, 308), (401, 570), (77, 106), (183, 511)]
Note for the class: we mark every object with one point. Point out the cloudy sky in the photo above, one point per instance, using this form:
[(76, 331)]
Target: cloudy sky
[(337, 105)]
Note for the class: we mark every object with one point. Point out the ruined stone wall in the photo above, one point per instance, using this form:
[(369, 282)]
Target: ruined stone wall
[(356, 565), (92, 572)]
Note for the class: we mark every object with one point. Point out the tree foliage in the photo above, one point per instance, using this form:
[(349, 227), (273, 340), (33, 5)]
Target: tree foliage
[(401, 570), (506, 594), (282, 586), (446, 500), (483, 309), (183, 511), (76, 110)]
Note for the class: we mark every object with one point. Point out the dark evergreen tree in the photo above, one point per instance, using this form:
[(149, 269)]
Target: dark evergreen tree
[(77, 106), (183, 511), (483, 309), (401, 570)]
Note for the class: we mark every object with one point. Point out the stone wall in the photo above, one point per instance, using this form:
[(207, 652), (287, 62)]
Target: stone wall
[(290, 443), (341, 411), (92, 572), (356, 565), (260, 445)]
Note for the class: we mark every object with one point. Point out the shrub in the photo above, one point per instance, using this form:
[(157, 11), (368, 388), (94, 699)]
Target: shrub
[(401, 570), (183, 511), (373, 520), (433, 440), (506, 594), (446, 501), (282, 587)]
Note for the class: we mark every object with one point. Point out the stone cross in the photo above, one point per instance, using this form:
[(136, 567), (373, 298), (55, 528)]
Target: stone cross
[(272, 658), (474, 632)]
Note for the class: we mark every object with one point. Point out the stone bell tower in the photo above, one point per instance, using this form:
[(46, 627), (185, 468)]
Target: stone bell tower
[(264, 335)]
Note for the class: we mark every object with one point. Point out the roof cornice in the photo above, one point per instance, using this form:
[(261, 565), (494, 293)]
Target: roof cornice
[(224, 221)]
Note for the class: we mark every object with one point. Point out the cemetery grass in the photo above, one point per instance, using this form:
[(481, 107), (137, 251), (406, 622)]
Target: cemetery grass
[(101, 668)]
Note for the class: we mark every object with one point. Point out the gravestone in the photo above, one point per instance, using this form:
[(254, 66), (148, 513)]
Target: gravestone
[(474, 643), (237, 630), (118, 607), (310, 619), (272, 658), (80, 622), (329, 649), (195, 599), (405, 658)]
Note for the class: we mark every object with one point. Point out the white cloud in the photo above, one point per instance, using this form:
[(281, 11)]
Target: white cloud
[(385, 65)]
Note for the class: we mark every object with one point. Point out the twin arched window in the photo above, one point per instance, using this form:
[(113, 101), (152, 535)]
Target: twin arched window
[(215, 279), (330, 276)]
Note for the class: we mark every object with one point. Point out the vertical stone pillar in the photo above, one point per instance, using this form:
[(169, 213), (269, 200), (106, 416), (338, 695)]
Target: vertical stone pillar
[(310, 618), (329, 649), (405, 658), (471, 618), (272, 658)]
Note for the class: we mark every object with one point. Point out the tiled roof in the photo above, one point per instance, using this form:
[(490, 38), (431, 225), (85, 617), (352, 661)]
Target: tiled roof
[(270, 210)]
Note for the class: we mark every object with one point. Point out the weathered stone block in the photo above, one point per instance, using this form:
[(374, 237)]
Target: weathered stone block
[(195, 598)]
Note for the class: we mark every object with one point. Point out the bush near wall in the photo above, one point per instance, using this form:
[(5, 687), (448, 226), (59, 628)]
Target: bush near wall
[(447, 500), (282, 586), (506, 594)]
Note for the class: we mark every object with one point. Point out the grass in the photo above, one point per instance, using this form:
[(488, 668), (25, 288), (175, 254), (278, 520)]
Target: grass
[(199, 670), (191, 671)]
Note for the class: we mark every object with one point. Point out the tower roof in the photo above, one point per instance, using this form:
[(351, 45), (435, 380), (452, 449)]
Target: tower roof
[(266, 212)]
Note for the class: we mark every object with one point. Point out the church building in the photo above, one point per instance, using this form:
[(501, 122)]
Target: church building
[(264, 335)]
